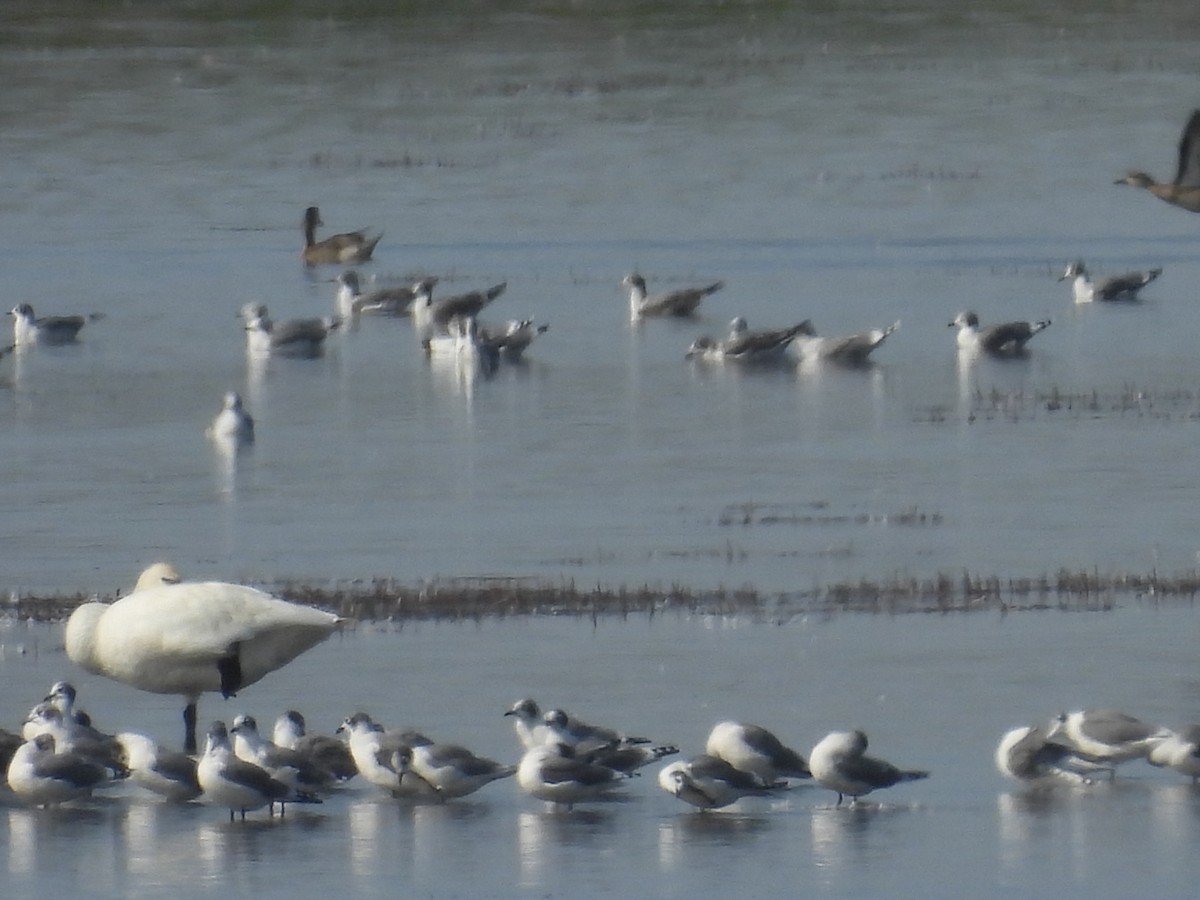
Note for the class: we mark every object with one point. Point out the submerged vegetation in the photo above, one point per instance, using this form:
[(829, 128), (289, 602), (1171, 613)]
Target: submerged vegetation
[(459, 599)]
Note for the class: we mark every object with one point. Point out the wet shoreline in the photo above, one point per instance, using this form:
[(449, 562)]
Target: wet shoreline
[(461, 599)]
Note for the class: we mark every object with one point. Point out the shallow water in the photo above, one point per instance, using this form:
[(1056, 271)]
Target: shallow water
[(847, 166)]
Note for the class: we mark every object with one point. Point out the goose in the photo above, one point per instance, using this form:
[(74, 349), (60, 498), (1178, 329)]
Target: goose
[(1108, 735), (1028, 754), (189, 638), (680, 303), (839, 763), (1180, 751), (756, 750), (238, 785), (392, 301), (1118, 287), (1184, 190), (431, 315), (43, 777), (850, 350), (708, 782), (328, 752), (168, 773), (1005, 339), (746, 346), (232, 422), (550, 772), (349, 247), (291, 337), (29, 329)]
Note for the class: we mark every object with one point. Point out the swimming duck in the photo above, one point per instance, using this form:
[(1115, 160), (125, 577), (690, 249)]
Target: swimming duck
[(1184, 190), (338, 249)]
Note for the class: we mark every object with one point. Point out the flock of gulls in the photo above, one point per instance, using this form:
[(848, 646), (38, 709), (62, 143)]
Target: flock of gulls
[(450, 326), (170, 636)]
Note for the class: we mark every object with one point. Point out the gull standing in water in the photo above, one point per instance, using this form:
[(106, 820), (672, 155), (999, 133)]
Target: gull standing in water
[(708, 782), (603, 746), (746, 346), (753, 749), (169, 773), (528, 723), (1108, 735), (348, 247), (238, 785), (1118, 287), (1184, 190), (294, 769), (232, 423), (1180, 751), (29, 329), (551, 773), (326, 751), (1005, 339), (452, 771), (1028, 754), (189, 638), (680, 303), (384, 758), (42, 777), (839, 763)]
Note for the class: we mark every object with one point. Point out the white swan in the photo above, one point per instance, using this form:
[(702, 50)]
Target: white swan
[(172, 637)]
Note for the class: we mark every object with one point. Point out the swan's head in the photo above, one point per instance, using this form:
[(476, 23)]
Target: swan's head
[(157, 575)]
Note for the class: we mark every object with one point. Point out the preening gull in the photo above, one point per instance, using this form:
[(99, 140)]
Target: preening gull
[(1180, 751), (1117, 287), (839, 763), (1184, 190), (169, 773), (680, 302), (753, 749), (42, 777), (1028, 754), (511, 339), (348, 247), (708, 782), (188, 638), (746, 346), (29, 329), (1006, 338)]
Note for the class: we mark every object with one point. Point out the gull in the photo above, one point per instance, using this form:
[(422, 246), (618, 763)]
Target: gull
[(1028, 754), (62, 697), (753, 749), (680, 302), (291, 337), (29, 329), (1108, 735), (327, 752), (839, 762), (70, 736), (168, 773), (528, 723), (1118, 287), (294, 769), (851, 349), (431, 315), (563, 728), (708, 782), (238, 785), (9, 742), (511, 339), (391, 301), (1180, 751), (452, 771), (349, 247), (42, 777), (746, 346), (383, 757), (462, 340), (232, 423), (1008, 338), (1184, 190), (550, 772), (602, 746), (189, 638)]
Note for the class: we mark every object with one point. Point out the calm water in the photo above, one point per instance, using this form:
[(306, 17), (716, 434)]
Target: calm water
[(848, 166)]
